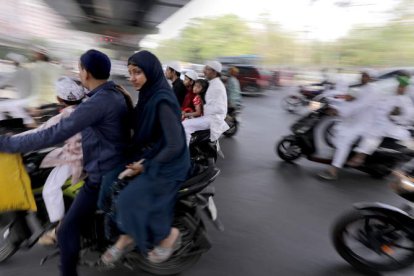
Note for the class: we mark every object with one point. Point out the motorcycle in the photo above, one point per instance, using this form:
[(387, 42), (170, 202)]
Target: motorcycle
[(233, 121), (376, 237), (307, 93), (21, 230), (202, 150), (309, 133)]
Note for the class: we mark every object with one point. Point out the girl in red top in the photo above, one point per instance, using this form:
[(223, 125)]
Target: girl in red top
[(190, 77), (199, 90)]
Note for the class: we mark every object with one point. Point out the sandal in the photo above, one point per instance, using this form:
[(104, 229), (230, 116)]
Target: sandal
[(113, 254), (327, 175), (160, 254), (48, 238)]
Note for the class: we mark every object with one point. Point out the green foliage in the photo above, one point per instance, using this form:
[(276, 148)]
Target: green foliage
[(229, 35)]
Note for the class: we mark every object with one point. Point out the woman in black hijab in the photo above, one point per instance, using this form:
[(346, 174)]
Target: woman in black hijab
[(161, 162)]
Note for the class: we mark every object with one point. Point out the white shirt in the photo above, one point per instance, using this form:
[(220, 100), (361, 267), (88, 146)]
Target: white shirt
[(216, 108), (216, 99)]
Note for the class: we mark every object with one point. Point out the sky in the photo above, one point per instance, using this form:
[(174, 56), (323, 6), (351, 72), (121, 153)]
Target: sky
[(322, 20)]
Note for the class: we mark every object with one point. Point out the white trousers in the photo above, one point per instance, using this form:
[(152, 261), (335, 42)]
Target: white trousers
[(52, 192), (193, 125), (371, 142), (344, 141)]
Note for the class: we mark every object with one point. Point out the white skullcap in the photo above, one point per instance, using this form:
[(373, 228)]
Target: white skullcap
[(215, 65), (175, 65), (192, 74), (67, 89), (16, 57)]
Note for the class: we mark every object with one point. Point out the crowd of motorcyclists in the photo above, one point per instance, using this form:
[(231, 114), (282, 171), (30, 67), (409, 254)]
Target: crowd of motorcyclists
[(96, 128), (366, 118), (109, 137)]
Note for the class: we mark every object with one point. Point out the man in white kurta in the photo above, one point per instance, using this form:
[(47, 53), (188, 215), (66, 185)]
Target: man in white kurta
[(393, 115), (355, 116), (215, 107)]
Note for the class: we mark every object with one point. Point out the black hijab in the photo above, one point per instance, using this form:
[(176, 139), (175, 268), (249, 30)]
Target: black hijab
[(146, 129)]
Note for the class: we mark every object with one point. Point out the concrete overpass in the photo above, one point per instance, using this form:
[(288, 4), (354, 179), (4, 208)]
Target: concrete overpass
[(122, 23)]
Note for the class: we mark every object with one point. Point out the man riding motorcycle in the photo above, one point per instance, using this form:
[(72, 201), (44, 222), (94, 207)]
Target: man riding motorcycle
[(354, 117), (393, 115)]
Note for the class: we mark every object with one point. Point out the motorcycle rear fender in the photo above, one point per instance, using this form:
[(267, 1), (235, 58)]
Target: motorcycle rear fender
[(386, 210)]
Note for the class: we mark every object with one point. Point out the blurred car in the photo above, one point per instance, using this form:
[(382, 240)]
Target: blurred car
[(252, 79)]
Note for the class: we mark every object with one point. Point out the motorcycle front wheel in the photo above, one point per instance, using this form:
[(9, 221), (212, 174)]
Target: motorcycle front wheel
[(8, 236), (373, 243), (288, 150)]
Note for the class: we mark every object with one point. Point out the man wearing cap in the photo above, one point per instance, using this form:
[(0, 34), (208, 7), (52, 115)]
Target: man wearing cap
[(173, 73), (354, 116), (102, 121), (215, 108), (233, 88), (393, 114), (44, 74)]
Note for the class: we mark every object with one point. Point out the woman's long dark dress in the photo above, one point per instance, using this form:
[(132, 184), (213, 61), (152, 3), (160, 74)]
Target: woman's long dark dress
[(145, 208)]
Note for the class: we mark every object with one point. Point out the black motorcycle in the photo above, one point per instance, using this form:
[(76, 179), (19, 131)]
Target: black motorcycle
[(376, 237), (310, 129), (21, 230), (202, 150), (233, 121)]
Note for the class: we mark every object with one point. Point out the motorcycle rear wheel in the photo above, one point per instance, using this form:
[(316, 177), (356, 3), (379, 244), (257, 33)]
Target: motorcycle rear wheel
[(181, 260), (374, 236)]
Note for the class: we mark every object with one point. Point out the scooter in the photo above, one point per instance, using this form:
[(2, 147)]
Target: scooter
[(307, 93), (308, 139), (376, 237)]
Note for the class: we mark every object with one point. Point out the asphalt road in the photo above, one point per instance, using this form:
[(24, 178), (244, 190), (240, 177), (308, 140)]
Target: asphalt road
[(277, 216)]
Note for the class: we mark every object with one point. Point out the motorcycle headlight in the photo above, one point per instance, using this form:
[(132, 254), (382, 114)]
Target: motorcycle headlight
[(403, 184)]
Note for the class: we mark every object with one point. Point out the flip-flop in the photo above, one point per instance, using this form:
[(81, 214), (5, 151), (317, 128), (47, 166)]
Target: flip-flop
[(113, 254), (327, 175), (160, 254)]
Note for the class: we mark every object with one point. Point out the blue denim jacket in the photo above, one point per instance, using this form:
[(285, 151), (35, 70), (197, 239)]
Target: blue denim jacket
[(102, 120)]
